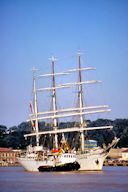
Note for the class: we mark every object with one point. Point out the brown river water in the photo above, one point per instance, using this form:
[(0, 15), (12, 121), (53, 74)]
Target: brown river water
[(111, 179)]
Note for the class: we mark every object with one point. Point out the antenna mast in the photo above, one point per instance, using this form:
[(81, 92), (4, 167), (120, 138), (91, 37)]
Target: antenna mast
[(80, 97), (35, 106), (54, 105)]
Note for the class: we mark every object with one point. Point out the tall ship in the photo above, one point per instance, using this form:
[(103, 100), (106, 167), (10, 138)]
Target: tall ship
[(60, 155)]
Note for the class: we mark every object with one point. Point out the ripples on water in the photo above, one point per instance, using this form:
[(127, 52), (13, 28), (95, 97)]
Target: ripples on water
[(111, 179)]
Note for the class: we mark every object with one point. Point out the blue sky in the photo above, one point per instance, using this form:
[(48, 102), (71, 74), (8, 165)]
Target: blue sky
[(33, 30)]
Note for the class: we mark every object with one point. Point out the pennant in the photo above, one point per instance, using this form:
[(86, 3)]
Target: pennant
[(31, 107)]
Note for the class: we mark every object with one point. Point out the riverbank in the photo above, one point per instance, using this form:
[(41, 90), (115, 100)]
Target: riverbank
[(6, 164), (115, 163), (106, 163)]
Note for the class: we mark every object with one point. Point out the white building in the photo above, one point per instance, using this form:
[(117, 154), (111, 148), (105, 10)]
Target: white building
[(125, 155)]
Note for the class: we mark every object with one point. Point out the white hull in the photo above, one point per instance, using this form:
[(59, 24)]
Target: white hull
[(87, 162), (91, 162), (30, 164)]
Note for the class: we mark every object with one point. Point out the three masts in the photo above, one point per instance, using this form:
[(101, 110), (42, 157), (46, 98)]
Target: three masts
[(56, 113), (40, 158)]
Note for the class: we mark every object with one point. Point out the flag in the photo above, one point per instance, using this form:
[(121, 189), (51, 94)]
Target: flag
[(32, 111), (31, 107)]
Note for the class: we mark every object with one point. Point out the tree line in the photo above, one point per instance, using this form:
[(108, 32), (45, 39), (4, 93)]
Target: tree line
[(14, 136)]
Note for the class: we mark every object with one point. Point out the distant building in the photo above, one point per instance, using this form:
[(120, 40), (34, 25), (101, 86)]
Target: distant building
[(125, 155), (89, 144), (8, 156), (115, 153), (119, 153)]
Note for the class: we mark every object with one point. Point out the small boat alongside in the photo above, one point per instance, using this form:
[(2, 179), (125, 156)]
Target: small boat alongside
[(61, 167)]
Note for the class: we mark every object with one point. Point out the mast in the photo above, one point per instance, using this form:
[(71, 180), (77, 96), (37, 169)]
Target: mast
[(55, 113), (54, 105), (35, 106), (81, 104)]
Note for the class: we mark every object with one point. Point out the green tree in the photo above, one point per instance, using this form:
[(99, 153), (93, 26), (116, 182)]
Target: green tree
[(3, 130), (121, 130)]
